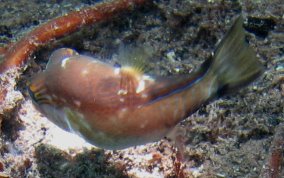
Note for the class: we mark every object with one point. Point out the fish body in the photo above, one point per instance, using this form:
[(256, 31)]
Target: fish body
[(115, 108)]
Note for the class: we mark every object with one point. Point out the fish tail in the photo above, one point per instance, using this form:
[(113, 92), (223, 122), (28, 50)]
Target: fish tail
[(234, 64)]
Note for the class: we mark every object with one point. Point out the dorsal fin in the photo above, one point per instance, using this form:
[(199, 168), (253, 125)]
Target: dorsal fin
[(134, 57)]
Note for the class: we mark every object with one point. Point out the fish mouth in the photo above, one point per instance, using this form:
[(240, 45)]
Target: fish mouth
[(38, 94)]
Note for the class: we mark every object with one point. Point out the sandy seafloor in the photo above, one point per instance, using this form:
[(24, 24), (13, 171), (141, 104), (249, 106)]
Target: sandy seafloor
[(230, 137)]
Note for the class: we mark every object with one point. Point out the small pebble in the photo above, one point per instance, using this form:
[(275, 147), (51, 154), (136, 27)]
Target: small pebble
[(279, 68), (171, 56)]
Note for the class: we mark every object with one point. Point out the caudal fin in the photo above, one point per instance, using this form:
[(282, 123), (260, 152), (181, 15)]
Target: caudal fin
[(234, 63)]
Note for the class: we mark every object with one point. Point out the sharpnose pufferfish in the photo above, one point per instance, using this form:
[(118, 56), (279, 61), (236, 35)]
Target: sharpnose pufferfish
[(119, 107)]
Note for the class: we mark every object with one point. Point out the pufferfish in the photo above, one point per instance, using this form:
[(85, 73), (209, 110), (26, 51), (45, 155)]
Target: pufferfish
[(119, 107)]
